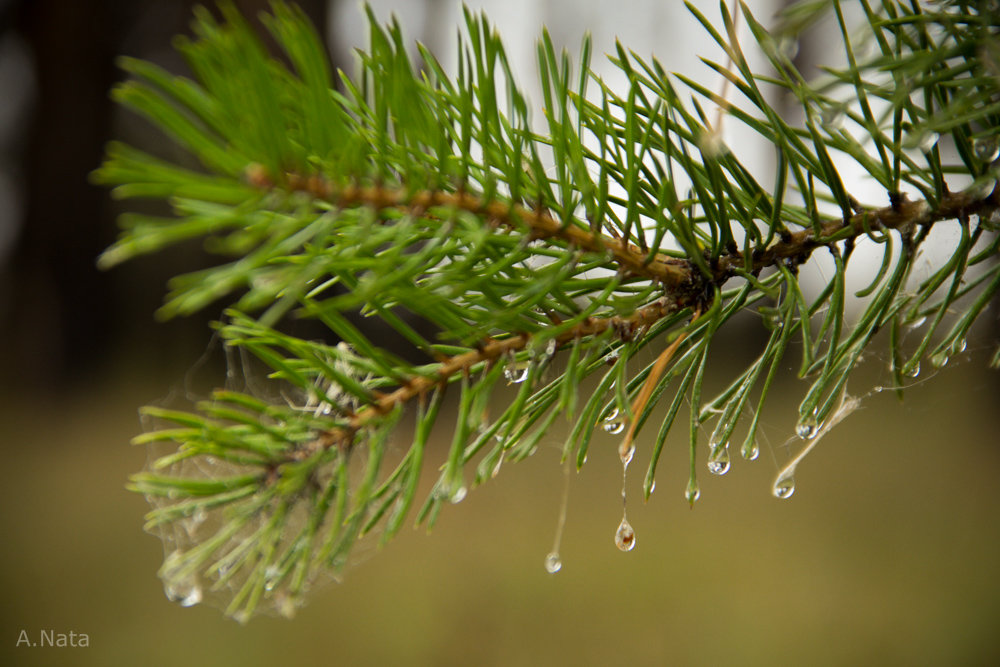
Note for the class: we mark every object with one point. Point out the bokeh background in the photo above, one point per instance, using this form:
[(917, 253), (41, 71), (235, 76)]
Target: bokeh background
[(887, 553)]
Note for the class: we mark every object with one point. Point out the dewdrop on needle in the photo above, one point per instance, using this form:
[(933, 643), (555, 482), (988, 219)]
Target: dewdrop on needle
[(515, 373), (613, 423), (718, 460), (784, 486)]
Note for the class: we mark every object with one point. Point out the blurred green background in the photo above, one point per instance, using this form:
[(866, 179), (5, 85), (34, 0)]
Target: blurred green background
[(887, 553)]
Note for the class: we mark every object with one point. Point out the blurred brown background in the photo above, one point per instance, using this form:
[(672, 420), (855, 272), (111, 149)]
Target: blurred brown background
[(887, 553)]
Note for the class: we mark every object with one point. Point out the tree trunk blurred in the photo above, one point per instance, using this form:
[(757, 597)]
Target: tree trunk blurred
[(58, 316)]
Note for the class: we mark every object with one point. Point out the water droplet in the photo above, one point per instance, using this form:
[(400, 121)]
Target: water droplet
[(939, 359), (751, 450), (986, 149), (625, 536), (788, 47), (270, 577), (552, 563), (516, 373), (458, 493), (496, 468), (550, 348), (611, 358), (784, 486), (771, 317), (807, 428), (917, 323), (612, 416), (718, 460), (958, 347), (614, 427), (693, 492), (912, 369), (652, 487), (626, 454), (184, 593)]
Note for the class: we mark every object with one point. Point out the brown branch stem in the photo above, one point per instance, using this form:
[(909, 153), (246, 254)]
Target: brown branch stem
[(639, 404), (683, 283)]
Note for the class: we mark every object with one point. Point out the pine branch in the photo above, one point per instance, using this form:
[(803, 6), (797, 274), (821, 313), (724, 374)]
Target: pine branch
[(408, 193), (674, 274), (682, 283)]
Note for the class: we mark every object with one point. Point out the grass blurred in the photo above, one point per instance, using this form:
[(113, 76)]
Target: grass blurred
[(887, 553)]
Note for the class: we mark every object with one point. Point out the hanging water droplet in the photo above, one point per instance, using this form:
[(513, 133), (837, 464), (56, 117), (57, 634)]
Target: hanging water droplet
[(771, 317), (625, 536), (986, 149), (917, 323), (718, 460), (784, 486), (192, 598), (550, 348), (807, 428), (612, 416), (912, 369), (652, 487), (458, 493), (626, 454), (185, 593), (958, 347), (496, 468), (939, 359), (271, 577), (614, 427), (516, 373), (751, 450), (692, 492), (552, 563)]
